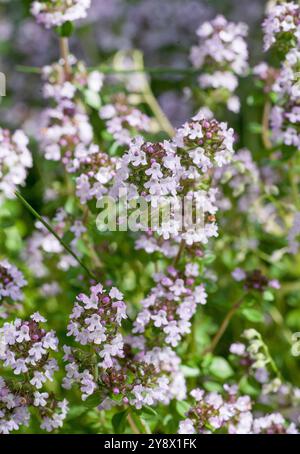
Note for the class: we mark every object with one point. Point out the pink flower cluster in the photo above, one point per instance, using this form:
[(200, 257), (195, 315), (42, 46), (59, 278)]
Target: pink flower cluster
[(11, 283), (222, 54), (118, 368), (285, 115), (178, 169), (68, 135), (124, 121), (282, 29), (26, 348), (15, 160), (232, 414), (242, 177), (98, 169), (171, 304), (254, 280), (282, 26), (94, 320), (53, 13)]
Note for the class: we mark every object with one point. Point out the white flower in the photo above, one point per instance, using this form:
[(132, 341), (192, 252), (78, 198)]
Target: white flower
[(38, 379), (186, 427), (50, 340), (37, 317), (20, 366), (23, 334), (115, 293), (37, 351), (40, 399), (160, 319)]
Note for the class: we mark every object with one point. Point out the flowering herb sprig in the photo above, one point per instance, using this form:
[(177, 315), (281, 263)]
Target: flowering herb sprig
[(195, 277), (116, 369), (12, 282), (178, 168), (281, 33), (15, 161), (256, 354), (285, 115), (232, 414), (54, 13), (67, 134), (281, 26), (124, 120), (167, 311), (26, 349), (222, 56)]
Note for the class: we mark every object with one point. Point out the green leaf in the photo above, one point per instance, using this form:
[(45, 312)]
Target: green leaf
[(250, 100), (182, 408), (70, 205), (209, 258), (149, 411), (253, 315), (92, 99), (65, 30), (268, 296), (190, 371), (249, 300), (13, 240), (93, 401), (6, 222), (212, 386), (293, 319), (247, 387), (274, 97), (119, 421), (76, 412), (220, 368)]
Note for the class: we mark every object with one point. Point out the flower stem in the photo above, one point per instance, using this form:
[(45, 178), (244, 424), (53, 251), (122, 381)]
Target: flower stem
[(150, 99), (51, 230), (272, 362), (133, 425), (162, 119), (64, 52), (265, 126), (110, 70), (223, 326), (179, 253)]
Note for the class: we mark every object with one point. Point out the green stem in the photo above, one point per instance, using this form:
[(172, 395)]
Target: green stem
[(179, 253), (223, 326), (271, 361), (51, 230), (28, 69), (110, 70), (162, 119), (132, 424)]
